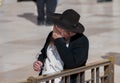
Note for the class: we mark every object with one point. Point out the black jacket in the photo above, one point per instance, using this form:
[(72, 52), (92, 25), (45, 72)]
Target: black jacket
[(73, 56)]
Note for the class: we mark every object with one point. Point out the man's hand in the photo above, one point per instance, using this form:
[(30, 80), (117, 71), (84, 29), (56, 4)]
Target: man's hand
[(37, 65), (57, 33)]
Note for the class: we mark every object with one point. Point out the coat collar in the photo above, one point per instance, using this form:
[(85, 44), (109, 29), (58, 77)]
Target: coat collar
[(76, 36)]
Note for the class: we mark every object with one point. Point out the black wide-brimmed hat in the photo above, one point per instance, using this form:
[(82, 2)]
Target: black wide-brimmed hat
[(68, 20)]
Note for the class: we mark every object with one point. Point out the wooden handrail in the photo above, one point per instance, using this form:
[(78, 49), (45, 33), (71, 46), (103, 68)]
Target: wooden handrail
[(108, 65)]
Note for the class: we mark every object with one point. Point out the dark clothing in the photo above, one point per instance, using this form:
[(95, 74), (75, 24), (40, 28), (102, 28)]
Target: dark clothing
[(73, 56), (44, 9)]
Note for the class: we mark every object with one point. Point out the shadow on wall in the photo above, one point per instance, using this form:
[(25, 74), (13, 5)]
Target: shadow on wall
[(116, 56), (29, 16)]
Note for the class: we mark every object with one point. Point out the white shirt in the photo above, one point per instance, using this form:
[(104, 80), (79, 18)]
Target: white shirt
[(53, 62)]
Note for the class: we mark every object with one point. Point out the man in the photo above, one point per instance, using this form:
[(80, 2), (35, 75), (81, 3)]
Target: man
[(44, 9), (66, 46)]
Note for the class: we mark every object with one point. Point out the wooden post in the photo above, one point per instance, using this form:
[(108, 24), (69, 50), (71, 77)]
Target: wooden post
[(83, 77), (25, 82), (32, 80), (93, 75), (97, 74), (63, 79), (68, 79), (111, 58), (106, 78), (78, 78)]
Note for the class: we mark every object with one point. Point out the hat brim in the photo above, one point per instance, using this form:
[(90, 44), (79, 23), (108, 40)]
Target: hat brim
[(67, 26)]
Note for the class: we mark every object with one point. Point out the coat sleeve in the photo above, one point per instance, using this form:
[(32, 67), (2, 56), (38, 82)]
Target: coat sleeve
[(43, 54), (75, 55)]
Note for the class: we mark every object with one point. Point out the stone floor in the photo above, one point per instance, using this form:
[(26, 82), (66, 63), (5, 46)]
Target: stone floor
[(21, 39)]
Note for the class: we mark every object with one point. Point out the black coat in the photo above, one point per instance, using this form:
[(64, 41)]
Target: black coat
[(73, 56)]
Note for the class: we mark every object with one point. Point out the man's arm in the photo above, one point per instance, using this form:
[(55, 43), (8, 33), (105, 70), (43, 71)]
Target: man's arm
[(73, 56)]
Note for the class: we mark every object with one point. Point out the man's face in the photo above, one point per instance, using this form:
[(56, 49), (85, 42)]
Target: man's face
[(62, 32)]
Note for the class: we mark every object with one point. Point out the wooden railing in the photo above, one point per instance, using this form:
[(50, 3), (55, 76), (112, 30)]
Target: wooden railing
[(97, 72)]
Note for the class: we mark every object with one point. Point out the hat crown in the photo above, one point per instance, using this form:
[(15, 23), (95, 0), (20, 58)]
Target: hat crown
[(70, 16), (68, 20)]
